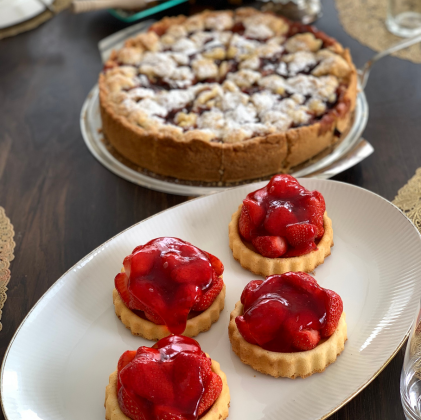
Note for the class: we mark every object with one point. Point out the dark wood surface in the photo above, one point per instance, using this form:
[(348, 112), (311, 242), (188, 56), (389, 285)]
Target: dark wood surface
[(63, 203)]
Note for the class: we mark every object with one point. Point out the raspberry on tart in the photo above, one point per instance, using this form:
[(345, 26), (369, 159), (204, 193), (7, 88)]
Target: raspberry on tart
[(281, 227), (225, 96), (174, 379), (169, 286), (288, 325)]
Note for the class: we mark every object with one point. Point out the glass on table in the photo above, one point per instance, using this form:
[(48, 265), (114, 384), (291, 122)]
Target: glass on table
[(404, 17), (411, 372)]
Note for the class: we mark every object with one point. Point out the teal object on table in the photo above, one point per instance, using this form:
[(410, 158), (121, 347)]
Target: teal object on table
[(147, 12)]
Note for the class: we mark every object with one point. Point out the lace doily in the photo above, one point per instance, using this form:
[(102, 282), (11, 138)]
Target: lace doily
[(365, 20), (409, 199), (7, 245)]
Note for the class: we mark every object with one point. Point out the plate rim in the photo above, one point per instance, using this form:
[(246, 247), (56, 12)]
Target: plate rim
[(371, 379), (118, 168), (27, 17)]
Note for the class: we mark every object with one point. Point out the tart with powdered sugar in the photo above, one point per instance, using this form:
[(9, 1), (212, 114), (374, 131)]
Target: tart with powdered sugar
[(226, 96)]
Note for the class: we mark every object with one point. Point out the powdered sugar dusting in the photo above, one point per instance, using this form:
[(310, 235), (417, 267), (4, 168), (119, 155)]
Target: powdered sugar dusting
[(300, 61), (174, 99), (152, 108), (201, 77), (259, 31)]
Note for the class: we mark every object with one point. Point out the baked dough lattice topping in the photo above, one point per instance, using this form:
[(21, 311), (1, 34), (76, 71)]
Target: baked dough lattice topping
[(226, 77)]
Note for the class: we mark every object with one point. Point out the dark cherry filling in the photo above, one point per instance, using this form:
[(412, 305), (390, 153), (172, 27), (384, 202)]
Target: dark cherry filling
[(172, 380), (253, 89), (282, 219), (167, 279), (170, 118), (288, 313), (275, 59), (341, 107), (201, 109), (238, 28)]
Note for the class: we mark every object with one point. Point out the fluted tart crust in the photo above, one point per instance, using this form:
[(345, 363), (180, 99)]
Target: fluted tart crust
[(147, 329), (245, 254), (288, 365)]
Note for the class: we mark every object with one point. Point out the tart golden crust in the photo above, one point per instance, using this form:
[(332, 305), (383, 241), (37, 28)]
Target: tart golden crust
[(244, 252), (147, 329), (191, 155), (288, 365), (218, 411)]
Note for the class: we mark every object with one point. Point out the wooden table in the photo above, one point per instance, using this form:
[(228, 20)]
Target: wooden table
[(63, 203)]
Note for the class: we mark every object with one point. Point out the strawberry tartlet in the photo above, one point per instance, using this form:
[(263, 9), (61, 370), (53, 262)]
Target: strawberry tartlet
[(287, 325), (281, 227), (169, 286), (174, 379)]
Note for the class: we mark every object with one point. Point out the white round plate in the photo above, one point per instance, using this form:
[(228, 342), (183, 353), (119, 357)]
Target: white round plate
[(17, 11), (58, 363), (91, 127)]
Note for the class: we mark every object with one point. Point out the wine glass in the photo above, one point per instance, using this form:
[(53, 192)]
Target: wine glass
[(411, 371)]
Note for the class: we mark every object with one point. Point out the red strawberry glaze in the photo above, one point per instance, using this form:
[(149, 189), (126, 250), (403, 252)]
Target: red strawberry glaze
[(288, 313), (167, 278), (171, 380), (284, 210)]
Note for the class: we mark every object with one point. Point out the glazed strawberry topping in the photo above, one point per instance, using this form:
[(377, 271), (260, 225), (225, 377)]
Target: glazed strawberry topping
[(270, 246), (288, 313), (172, 380), (167, 278), (283, 219)]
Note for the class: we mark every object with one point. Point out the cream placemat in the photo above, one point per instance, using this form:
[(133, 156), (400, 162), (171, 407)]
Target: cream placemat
[(365, 20), (7, 245), (58, 6), (409, 199)]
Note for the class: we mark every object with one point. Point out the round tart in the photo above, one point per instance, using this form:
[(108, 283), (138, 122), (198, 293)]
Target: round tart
[(288, 326), (169, 286), (226, 96), (174, 380), (281, 227)]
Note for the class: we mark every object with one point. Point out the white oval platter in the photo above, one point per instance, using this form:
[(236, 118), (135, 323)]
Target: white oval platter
[(58, 363)]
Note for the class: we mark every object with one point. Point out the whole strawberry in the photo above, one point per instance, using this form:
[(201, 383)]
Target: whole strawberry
[(172, 380), (288, 313), (282, 219)]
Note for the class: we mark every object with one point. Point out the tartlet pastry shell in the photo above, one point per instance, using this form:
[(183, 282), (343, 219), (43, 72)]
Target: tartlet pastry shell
[(263, 266), (218, 411), (288, 365), (147, 329)]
